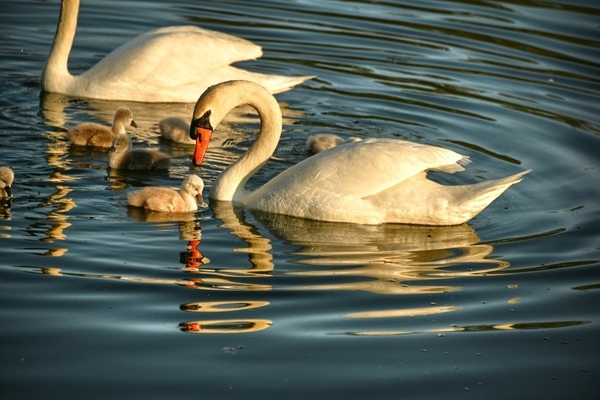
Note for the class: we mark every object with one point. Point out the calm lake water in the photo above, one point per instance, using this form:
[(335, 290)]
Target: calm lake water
[(99, 301)]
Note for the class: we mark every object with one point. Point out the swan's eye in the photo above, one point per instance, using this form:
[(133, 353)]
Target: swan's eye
[(200, 123)]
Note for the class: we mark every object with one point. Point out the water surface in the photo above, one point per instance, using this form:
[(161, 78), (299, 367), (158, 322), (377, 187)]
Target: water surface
[(101, 301)]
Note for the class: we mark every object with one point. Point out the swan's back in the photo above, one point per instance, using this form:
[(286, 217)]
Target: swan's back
[(367, 167), (331, 185), (171, 49), (175, 64)]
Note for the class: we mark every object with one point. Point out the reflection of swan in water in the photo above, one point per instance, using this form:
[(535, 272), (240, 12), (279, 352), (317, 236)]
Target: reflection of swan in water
[(386, 256), (169, 64), (189, 230), (389, 253), (188, 223), (258, 247)]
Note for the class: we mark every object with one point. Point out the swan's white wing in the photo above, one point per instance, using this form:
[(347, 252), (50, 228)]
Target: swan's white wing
[(368, 167), (167, 56), (335, 185)]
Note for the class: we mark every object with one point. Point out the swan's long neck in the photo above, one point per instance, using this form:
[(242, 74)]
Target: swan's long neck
[(55, 75), (230, 184)]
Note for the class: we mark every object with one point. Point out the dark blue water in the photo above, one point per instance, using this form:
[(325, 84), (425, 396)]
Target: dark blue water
[(100, 301)]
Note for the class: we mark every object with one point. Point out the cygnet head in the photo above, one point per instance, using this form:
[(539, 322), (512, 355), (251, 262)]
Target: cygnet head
[(6, 180), (194, 185), (121, 143), (123, 118)]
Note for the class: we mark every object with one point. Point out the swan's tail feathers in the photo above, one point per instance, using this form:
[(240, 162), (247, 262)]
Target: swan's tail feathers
[(482, 194), (273, 83), (277, 83)]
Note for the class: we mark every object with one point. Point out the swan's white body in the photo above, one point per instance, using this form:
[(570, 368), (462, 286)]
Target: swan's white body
[(324, 141), (176, 130), (93, 134), (170, 64), (123, 156), (7, 177), (164, 199), (373, 181)]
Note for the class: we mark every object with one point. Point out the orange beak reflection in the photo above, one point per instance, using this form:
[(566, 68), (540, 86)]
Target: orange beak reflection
[(202, 141)]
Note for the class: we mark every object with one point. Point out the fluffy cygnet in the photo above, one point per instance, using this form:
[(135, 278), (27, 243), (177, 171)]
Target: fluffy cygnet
[(123, 156), (6, 180), (158, 198), (321, 142), (93, 134), (176, 129)]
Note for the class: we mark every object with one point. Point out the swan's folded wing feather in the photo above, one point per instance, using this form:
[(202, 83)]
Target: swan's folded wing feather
[(368, 167), (176, 50)]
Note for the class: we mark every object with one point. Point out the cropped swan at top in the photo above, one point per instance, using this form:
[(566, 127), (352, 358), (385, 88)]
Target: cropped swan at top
[(158, 198), (93, 134), (323, 141), (170, 64), (373, 181), (7, 178), (123, 156)]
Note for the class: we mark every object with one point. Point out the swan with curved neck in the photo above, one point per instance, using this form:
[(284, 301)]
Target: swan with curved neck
[(169, 64), (372, 181)]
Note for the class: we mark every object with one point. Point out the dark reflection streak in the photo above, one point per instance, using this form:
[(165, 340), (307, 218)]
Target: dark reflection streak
[(523, 326), (547, 5), (544, 267), (583, 288), (525, 238), (477, 328), (481, 150)]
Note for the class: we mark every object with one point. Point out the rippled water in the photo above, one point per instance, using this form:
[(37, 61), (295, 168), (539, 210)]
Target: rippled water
[(101, 301)]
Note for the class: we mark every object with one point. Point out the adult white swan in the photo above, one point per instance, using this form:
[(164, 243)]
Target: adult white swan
[(170, 64), (373, 181)]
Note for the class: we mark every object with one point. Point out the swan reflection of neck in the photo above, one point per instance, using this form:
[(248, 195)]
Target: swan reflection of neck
[(386, 256)]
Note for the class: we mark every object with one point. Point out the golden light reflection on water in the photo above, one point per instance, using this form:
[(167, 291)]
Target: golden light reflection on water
[(509, 326), (390, 259), (226, 326), (387, 259), (411, 312), (5, 215), (222, 306)]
